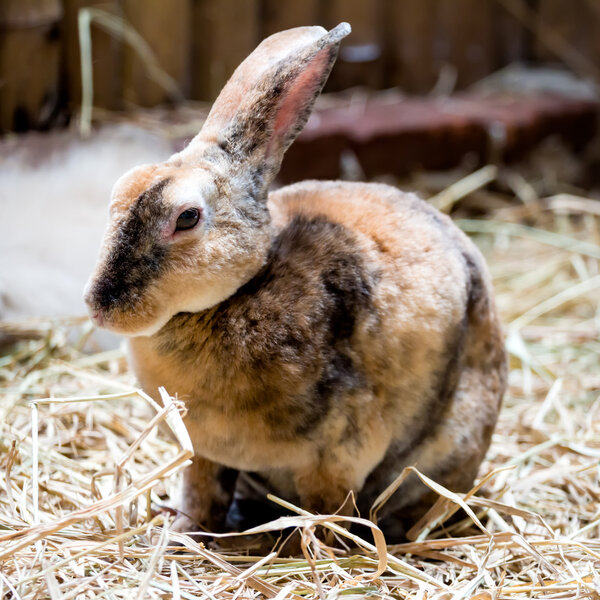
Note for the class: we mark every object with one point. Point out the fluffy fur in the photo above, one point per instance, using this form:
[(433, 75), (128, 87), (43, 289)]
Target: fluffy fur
[(324, 336)]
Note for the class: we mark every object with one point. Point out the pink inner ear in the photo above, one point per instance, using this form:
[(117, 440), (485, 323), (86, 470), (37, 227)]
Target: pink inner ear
[(300, 93)]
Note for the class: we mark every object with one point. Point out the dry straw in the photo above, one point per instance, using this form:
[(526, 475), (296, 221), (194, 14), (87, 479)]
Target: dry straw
[(88, 459)]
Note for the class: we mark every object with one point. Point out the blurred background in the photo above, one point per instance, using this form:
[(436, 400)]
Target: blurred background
[(425, 93), (151, 52)]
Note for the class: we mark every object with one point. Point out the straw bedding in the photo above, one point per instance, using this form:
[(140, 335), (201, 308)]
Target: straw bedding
[(87, 461)]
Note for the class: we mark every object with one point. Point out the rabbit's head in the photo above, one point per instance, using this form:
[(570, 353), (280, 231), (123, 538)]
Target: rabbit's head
[(185, 234)]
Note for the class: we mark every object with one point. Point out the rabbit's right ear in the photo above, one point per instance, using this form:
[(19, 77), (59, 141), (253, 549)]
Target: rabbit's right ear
[(268, 100)]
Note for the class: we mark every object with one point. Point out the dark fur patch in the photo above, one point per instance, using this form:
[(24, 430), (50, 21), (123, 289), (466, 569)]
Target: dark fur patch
[(136, 258), (343, 293), (444, 382), (287, 331), (477, 299)]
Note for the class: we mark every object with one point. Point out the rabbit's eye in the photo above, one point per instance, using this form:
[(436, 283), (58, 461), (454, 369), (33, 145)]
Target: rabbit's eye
[(187, 219)]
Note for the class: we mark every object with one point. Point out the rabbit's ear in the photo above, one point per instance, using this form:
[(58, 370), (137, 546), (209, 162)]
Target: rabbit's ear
[(268, 99)]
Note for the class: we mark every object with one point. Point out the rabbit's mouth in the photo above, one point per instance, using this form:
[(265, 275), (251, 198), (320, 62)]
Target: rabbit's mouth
[(143, 318), (126, 325), (97, 318), (100, 318)]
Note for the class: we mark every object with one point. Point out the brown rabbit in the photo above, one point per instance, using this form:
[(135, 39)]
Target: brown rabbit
[(325, 335)]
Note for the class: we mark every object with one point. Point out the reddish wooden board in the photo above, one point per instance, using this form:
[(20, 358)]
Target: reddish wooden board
[(394, 136)]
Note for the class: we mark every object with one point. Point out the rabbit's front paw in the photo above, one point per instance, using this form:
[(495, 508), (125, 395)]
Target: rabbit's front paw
[(205, 496), (187, 525)]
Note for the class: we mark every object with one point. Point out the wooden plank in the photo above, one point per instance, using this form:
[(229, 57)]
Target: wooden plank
[(448, 39), (467, 27), (361, 59), (577, 26), (107, 57), (411, 31), (224, 33), (29, 63), (165, 26), (511, 38), (396, 135), (278, 15)]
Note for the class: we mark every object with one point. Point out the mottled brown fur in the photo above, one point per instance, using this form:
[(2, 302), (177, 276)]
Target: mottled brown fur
[(325, 336)]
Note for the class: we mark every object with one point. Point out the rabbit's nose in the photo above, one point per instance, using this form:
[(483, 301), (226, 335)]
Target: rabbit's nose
[(96, 315), (91, 300)]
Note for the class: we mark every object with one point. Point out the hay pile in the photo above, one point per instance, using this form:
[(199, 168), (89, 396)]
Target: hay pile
[(85, 468)]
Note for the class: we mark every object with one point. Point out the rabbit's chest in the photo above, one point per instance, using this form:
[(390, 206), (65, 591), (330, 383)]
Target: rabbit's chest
[(230, 425), (245, 442)]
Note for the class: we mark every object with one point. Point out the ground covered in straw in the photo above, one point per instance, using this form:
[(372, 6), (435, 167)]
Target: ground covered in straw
[(82, 482)]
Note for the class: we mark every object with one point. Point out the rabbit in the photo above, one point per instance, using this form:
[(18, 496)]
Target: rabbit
[(325, 335)]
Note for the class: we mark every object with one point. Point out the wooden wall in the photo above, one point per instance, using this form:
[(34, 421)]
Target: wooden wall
[(413, 44)]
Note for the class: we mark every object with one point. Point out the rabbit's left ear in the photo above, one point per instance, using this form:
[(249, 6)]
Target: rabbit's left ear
[(267, 101)]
